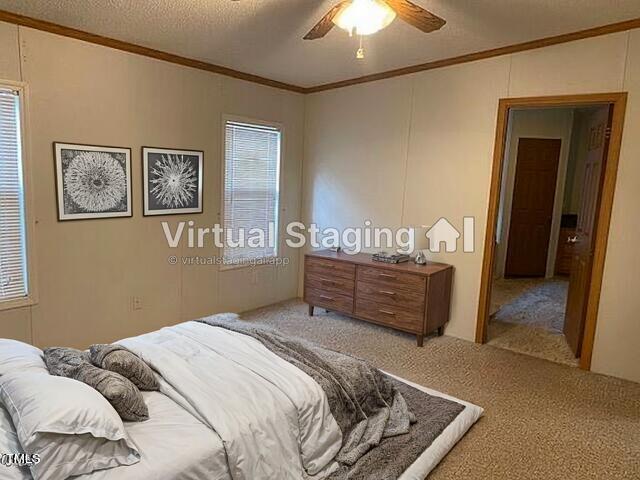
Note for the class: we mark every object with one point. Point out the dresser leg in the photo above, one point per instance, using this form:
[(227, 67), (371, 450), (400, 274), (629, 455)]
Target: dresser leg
[(311, 310), (440, 331), (420, 339)]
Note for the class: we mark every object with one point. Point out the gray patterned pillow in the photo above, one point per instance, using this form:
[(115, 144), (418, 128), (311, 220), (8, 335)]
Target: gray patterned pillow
[(119, 359), (123, 395)]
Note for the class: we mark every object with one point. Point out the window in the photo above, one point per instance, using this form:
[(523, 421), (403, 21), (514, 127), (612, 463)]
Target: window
[(251, 191), (13, 254)]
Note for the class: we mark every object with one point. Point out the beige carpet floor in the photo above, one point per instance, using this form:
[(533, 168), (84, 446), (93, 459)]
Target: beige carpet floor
[(541, 305), (536, 341), (542, 420), (505, 290), (528, 317)]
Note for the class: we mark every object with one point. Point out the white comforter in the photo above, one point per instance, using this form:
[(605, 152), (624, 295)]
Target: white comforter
[(273, 419), (173, 445)]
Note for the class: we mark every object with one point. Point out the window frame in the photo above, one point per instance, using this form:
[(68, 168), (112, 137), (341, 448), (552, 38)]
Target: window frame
[(258, 122), (27, 178)]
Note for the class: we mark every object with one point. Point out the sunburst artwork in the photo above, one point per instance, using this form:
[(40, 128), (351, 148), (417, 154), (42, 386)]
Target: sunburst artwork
[(93, 181), (172, 181)]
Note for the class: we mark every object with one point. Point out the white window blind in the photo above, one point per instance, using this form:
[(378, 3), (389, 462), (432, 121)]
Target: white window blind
[(251, 189), (13, 255)]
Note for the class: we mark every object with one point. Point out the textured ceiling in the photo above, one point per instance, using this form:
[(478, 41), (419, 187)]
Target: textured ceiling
[(264, 37)]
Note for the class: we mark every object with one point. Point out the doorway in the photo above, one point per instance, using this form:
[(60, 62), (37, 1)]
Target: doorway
[(554, 170)]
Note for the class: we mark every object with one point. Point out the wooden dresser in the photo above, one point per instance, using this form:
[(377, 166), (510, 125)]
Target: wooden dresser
[(408, 297)]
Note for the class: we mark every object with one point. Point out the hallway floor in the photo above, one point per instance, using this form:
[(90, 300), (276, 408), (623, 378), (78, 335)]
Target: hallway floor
[(527, 316)]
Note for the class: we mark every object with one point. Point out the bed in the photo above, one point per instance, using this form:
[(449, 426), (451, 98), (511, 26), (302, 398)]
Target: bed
[(230, 408)]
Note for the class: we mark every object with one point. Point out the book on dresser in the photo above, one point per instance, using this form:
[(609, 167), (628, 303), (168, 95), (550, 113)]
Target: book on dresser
[(405, 296)]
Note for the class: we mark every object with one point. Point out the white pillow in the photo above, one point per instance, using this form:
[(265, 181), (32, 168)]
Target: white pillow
[(72, 428), (17, 356), (9, 445)]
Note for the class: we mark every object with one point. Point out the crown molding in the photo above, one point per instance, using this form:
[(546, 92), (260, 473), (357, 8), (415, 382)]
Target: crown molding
[(57, 29), (140, 50), (484, 54)]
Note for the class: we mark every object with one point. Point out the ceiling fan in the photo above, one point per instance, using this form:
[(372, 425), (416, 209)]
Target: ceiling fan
[(364, 17)]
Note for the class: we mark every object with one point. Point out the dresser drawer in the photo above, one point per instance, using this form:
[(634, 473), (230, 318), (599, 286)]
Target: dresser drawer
[(329, 268), (389, 279), (329, 283), (391, 316), (329, 300), (392, 296)]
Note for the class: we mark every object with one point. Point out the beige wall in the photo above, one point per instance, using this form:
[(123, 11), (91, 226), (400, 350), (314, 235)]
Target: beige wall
[(539, 123), (616, 343), (403, 151), (416, 148), (87, 271)]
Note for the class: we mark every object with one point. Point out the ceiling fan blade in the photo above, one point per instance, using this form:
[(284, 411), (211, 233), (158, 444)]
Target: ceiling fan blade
[(326, 23), (416, 16)]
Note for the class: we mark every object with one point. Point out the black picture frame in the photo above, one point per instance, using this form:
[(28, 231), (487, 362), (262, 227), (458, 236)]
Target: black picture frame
[(78, 166)]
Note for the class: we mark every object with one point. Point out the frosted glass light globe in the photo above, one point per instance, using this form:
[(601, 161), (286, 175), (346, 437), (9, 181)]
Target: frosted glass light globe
[(364, 17)]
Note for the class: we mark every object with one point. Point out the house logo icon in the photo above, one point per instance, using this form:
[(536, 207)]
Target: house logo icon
[(443, 232)]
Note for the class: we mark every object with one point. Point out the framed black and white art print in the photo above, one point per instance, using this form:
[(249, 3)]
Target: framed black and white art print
[(172, 181), (92, 181)]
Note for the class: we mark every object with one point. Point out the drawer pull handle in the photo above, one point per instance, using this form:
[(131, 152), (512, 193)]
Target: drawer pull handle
[(386, 292), (324, 297), (328, 282), (387, 312), (386, 275)]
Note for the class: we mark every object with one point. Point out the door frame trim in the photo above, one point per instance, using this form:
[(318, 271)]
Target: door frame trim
[(618, 100)]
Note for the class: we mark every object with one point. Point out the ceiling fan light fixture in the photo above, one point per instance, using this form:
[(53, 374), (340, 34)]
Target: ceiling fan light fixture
[(365, 17)]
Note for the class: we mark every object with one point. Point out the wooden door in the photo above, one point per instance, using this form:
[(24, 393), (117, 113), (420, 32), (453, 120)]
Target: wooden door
[(532, 207), (584, 240)]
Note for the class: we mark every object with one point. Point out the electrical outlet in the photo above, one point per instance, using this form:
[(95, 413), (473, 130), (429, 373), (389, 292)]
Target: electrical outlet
[(136, 303)]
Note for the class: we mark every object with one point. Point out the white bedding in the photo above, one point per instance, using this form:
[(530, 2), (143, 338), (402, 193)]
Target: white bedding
[(191, 433), (241, 358), (173, 445), (9, 444), (277, 423), (203, 457), (176, 446)]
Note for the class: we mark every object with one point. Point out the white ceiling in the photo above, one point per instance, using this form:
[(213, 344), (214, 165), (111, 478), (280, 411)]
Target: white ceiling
[(264, 37)]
